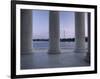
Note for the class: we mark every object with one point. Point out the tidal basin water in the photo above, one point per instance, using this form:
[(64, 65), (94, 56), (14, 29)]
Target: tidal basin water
[(45, 45)]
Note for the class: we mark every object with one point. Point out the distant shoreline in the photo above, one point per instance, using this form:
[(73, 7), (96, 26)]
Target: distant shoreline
[(62, 40)]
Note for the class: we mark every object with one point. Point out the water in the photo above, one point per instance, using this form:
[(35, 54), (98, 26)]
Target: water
[(45, 44)]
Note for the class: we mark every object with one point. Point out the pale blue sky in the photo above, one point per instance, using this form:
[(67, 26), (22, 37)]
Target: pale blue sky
[(41, 24)]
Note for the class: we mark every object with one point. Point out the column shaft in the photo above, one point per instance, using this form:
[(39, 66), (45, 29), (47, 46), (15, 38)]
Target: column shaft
[(26, 31), (54, 35), (89, 24), (80, 31)]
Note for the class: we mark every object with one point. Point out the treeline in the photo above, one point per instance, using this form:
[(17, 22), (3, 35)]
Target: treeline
[(62, 40)]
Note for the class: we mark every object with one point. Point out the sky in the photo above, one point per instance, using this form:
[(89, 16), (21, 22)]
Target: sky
[(41, 24)]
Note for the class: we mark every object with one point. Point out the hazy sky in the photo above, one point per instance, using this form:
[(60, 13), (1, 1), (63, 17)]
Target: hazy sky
[(41, 24)]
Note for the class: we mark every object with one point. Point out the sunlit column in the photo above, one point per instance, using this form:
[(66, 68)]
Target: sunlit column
[(80, 32), (54, 33), (26, 31)]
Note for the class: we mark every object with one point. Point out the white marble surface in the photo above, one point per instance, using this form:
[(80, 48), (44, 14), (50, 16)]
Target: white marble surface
[(41, 59)]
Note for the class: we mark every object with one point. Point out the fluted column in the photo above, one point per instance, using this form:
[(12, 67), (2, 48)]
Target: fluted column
[(80, 32), (26, 31), (54, 33)]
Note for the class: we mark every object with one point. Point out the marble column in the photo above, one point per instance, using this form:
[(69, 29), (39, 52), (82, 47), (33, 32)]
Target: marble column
[(80, 32), (54, 33), (88, 52), (26, 31)]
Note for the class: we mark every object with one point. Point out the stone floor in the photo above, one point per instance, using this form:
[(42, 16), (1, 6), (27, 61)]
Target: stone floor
[(41, 59)]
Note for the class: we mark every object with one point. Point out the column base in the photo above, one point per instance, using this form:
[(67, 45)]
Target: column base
[(80, 51), (54, 52), (26, 51), (87, 57)]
